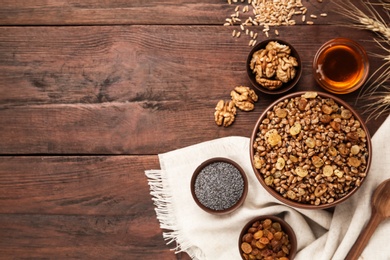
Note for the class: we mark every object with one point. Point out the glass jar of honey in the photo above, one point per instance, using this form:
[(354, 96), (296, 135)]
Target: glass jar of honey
[(341, 66)]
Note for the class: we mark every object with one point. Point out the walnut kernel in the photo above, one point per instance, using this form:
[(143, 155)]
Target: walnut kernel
[(225, 113)]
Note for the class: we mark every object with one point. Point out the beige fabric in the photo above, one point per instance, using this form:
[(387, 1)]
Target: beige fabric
[(320, 234)]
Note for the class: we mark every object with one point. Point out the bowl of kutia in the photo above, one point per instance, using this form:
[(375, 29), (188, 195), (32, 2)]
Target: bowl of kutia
[(310, 150)]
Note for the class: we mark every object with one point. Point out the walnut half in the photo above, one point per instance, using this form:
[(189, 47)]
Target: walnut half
[(225, 113), (244, 98)]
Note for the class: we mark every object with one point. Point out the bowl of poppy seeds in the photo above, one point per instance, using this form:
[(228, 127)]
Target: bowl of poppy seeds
[(219, 186)]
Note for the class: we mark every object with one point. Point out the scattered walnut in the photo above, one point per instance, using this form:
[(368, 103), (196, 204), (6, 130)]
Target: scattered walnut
[(225, 113), (273, 65), (244, 98)]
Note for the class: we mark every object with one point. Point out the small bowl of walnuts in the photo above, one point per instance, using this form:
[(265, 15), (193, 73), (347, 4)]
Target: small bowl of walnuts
[(310, 150), (274, 66), (219, 186), (267, 237)]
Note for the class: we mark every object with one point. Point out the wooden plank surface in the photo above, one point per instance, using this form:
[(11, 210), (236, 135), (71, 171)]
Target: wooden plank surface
[(78, 90), (78, 207), (87, 12), (92, 91)]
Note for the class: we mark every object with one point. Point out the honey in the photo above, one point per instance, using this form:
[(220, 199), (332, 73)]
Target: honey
[(341, 66)]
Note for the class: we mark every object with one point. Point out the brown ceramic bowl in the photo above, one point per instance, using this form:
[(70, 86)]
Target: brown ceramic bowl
[(337, 176), (285, 227), (219, 186), (286, 86), (341, 66)]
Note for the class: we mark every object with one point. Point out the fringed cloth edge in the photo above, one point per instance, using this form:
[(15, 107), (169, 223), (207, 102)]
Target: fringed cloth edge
[(165, 211)]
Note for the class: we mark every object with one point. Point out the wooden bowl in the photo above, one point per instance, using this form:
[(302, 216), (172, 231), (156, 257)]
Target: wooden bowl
[(219, 186), (286, 86), (285, 227), (324, 177)]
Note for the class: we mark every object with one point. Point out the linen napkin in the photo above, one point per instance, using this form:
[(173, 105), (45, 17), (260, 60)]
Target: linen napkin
[(321, 234)]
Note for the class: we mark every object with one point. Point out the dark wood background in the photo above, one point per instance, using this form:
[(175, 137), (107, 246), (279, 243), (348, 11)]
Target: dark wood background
[(91, 91)]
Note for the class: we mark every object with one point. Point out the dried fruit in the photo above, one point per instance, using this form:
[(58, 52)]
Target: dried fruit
[(310, 142), (325, 118), (353, 137), (338, 173), (317, 161), (320, 190), (327, 110), (225, 113), (327, 170), (258, 161), (310, 94), (280, 163), (267, 241), (281, 113), (273, 137), (346, 114), (335, 125), (355, 149), (295, 129), (301, 172), (246, 248), (258, 234), (302, 104), (353, 161)]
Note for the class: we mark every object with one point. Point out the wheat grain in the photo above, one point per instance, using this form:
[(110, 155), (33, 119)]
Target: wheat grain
[(266, 13), (376, 90)]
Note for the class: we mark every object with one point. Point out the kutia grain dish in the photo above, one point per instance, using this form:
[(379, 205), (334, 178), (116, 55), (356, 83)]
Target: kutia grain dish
[(310, 150)]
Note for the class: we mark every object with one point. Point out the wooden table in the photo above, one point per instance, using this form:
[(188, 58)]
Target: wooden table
[(91, 91)]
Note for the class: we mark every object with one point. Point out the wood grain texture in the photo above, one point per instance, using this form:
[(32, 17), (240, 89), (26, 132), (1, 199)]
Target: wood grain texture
[(92, 90), (78, 207), (162, 12), (74, 185)]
